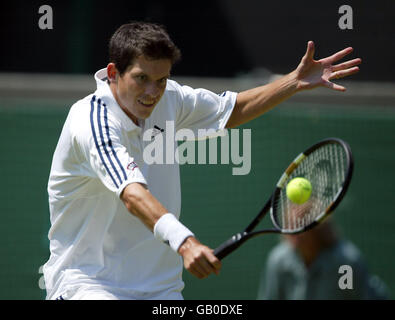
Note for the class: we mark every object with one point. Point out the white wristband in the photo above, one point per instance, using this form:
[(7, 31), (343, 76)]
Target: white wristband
[(171, 231)]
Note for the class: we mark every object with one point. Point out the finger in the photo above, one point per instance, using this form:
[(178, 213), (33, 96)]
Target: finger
[(211, 263), (334, 86), (347, 64), (217, 266), (310, 50), (201, 266), (338, 55), (204, 266), (215, 262), (196, 272), (343, 73)]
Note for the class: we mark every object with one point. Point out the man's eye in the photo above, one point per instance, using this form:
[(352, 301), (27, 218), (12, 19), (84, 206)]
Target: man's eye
[(163, 80), (142, 77)]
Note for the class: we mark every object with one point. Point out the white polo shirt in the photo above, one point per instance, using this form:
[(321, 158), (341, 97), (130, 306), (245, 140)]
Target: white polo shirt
[(95, 243)]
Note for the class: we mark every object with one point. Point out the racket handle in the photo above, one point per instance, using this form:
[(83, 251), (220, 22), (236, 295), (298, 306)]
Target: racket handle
[(230, 245)]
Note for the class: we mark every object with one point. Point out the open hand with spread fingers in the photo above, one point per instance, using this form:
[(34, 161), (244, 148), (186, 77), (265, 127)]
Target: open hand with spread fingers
[(314, 73)]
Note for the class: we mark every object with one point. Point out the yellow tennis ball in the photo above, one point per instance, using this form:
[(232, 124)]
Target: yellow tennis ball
[(299, 190)]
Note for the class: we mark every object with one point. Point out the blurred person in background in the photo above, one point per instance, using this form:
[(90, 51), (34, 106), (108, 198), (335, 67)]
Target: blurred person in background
[(307, 266)]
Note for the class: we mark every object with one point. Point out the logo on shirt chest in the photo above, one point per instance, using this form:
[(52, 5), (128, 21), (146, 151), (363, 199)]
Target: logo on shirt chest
[(155, 131)]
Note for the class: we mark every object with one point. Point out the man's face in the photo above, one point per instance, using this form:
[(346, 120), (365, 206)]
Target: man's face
[(141, 86)]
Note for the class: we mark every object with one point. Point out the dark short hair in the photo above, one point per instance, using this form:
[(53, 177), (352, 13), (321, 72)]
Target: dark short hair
[(141, 38)]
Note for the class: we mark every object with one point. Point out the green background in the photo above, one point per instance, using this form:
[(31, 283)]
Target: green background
[(215, 204)]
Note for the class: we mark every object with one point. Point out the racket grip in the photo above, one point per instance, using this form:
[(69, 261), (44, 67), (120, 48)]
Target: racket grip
[(229, 246)]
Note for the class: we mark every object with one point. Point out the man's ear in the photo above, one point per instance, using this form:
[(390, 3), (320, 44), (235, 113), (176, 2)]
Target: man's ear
[(112, 72)]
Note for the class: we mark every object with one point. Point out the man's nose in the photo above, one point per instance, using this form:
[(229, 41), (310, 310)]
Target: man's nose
[(152, 90)]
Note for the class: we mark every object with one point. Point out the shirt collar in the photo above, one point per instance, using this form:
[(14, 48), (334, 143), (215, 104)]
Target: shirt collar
[(104, 92)]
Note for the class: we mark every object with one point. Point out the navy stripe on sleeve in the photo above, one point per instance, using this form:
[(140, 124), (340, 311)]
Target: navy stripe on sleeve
[(96, 139), (103, 142), (110, 142)]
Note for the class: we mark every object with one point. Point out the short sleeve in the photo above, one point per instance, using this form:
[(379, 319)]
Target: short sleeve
[(203, 110), (106, 154)]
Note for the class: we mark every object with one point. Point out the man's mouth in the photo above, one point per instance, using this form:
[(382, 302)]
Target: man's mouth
[(147, 104)]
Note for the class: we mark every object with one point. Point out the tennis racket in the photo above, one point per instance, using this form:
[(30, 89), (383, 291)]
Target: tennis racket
[(328, 165)]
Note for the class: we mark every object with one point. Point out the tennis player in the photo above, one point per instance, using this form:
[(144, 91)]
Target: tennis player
[(115, 230)]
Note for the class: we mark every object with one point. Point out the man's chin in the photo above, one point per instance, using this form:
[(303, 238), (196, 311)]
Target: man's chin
[(144, 114)]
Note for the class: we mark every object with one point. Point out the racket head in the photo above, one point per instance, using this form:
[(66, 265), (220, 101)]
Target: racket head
[(328, 165)]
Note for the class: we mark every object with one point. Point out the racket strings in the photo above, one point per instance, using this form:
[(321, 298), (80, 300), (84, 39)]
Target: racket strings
[(325, 168)]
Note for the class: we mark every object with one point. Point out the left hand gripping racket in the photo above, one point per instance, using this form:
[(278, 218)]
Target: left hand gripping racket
[(328, 165)]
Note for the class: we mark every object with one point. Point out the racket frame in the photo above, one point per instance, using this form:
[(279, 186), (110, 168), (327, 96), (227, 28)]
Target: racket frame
[(292, 167)]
